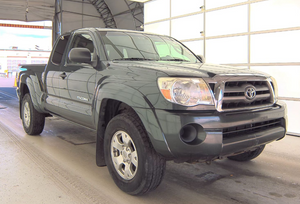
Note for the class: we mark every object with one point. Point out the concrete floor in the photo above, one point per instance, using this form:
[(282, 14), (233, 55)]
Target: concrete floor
[(59, 167)]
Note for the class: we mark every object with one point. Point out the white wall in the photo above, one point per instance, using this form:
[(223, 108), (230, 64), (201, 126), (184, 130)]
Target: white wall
[(261, 35)]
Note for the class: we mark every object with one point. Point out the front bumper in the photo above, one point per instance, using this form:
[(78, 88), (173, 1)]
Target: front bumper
[(222, 134)]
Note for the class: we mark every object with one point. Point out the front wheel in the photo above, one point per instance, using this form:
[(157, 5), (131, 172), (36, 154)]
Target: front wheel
[(131, 160), (33, 121), (247, 156)]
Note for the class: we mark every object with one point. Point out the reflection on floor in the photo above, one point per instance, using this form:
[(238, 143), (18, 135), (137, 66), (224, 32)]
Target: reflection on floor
[(74, 134)]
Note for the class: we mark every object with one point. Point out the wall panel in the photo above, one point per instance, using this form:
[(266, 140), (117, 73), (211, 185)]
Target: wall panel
[(275, 47), (227, 21), (162, 28), (156, 10), (210, 4), (195, 46), (293, 116), (187, 27), (227, 50), (275, 14), (179, 7), (287, 78), (268, 35)]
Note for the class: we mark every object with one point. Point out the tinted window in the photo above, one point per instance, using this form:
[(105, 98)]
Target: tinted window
[(84, 41), (59, 49)]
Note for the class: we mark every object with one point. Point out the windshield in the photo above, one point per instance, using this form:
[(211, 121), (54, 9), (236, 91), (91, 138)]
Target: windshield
[(140, 46)]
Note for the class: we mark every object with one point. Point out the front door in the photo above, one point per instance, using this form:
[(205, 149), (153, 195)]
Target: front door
[(77, 86), (52, 75)]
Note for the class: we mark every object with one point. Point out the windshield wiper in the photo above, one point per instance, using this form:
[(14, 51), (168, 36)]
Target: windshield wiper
[(136, 59), (175, 59)]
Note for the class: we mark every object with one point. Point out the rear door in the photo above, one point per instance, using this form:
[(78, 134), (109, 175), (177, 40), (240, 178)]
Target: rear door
[(77, 86)]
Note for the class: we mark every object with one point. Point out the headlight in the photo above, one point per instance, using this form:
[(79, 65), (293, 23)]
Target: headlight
[(185, 91)]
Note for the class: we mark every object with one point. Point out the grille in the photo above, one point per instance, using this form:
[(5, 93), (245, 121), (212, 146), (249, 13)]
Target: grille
[(250, 128), (235, 94)]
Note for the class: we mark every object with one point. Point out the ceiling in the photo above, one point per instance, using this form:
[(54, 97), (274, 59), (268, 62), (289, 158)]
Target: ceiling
[(113, 13), (23, 10)]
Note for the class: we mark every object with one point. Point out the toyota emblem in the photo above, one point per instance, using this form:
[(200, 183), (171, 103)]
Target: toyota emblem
[(250, 92)]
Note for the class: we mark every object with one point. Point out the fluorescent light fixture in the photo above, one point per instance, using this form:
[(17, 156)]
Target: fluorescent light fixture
[(141, 1)]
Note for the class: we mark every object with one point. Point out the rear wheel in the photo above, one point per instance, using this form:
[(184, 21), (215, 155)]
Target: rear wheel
[(131, 160), (247, 156), (33, 121)]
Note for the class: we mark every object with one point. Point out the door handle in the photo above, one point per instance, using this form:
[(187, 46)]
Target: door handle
[(63, 75)]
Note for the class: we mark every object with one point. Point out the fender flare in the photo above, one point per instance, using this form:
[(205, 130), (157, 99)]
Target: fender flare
[(33, 85), (142, 107)]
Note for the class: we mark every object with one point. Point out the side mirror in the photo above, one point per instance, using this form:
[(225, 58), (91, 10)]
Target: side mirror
[(201, 58), (80, 55)]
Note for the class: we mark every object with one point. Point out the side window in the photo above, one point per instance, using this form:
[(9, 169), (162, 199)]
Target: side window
[(59, 49), (84, 41)]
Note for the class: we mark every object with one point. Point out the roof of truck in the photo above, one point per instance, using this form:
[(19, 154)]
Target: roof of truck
[(113, 29)]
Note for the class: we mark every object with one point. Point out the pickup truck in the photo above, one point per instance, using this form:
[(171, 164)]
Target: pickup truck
[(150, 100)]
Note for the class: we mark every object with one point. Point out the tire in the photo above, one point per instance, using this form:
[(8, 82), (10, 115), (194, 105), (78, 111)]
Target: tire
[(33, 121), (247, 156), (132, 162)]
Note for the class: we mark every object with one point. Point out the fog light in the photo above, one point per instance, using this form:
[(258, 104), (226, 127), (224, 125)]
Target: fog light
[(188, 133), (192, 134)]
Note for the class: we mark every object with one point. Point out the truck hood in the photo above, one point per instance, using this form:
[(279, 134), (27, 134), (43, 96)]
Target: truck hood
[(179, 69)]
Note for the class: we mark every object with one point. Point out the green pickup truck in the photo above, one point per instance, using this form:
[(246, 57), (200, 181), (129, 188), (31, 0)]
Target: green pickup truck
[(150, 99)]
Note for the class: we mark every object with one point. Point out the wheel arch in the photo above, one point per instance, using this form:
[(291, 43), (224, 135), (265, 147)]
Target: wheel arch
[(115, 99), (30, 84)]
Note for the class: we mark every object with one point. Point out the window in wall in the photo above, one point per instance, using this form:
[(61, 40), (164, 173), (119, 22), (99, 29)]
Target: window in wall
[(287, 78), (156, 10), (180, 7), (293, 116), (275, 47), (219, 3), (275, 14), (227, 21), (195, 46), (227, 50), (187, 27), (162, 28)]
